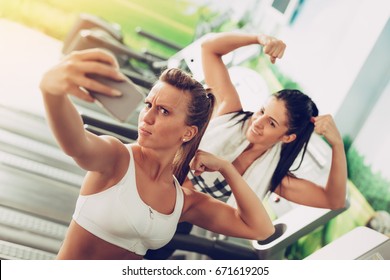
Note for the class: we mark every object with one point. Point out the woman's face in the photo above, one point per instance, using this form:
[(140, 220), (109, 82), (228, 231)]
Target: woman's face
[(269, 125), (161, 122)]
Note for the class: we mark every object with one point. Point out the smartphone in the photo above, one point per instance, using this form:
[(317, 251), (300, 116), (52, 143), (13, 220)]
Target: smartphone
[(119, 107)]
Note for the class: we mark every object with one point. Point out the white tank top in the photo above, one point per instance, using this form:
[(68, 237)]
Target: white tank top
[(119, 216)]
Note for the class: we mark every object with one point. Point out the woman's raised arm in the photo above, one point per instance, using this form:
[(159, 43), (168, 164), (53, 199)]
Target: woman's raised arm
[(216, 74), (69, 77), (250, 220)]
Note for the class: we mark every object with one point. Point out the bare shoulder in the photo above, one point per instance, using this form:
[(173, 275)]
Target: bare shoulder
[(292, 182), (117, 147), (288, 183), (116, 166), (111, 140), (191, 196)]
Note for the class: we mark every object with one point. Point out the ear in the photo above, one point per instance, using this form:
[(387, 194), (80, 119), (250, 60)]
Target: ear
[(289, 138), (190, 133)]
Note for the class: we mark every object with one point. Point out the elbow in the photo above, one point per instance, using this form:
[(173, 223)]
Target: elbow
[(265, 233), (207, 39), (271, 231), (339, 202), (338, 205), (208, 43)]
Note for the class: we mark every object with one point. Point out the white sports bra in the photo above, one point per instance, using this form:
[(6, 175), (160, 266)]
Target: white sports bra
[(119, 216)]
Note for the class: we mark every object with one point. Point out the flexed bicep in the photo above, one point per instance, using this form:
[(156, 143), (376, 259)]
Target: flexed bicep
[(216, 216)]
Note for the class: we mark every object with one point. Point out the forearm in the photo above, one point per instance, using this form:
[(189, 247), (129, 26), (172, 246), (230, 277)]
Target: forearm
[(249, 206), (65, 123), (223, 43), (336, 186), (216, 73)]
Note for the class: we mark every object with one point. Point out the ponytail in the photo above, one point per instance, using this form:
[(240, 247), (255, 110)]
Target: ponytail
[(199, 111), (188, 149)]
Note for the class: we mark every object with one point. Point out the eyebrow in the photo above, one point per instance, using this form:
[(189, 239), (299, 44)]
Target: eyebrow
[(167, 107)]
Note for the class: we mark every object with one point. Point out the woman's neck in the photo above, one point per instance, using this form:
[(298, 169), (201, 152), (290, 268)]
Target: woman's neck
[(155, 164), (254, 151), (248, 156)]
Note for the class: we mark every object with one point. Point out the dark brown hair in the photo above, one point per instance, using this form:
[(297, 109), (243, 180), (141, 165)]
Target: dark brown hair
[(300, 109)]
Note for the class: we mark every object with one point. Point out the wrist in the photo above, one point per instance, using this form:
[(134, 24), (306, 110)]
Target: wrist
[(226, 168), (262, 39), (53, 96), (338, 146)]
